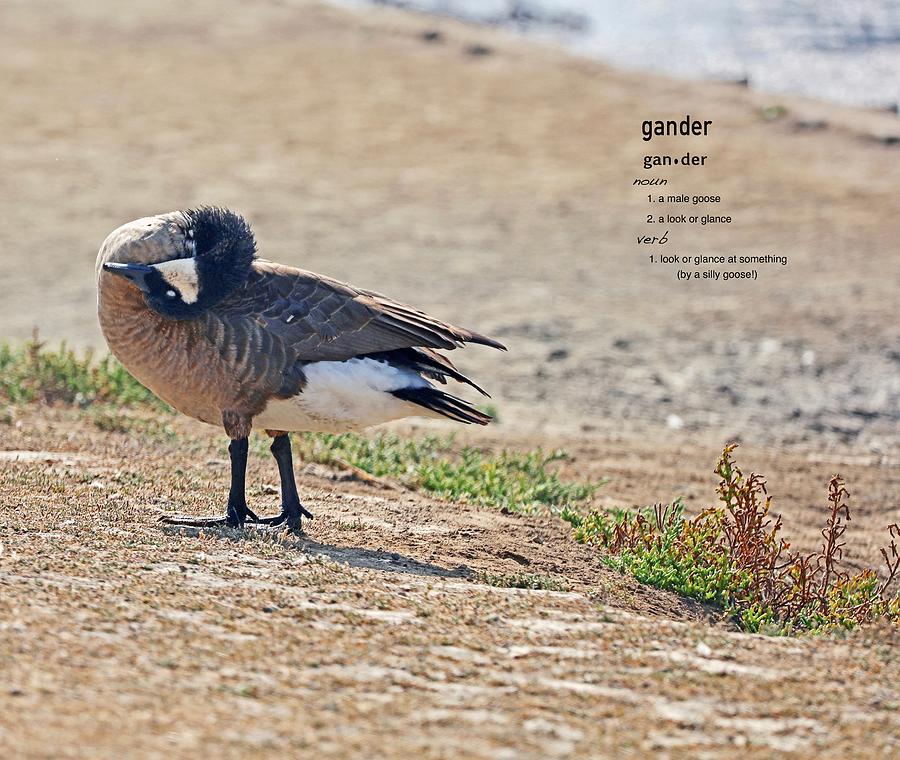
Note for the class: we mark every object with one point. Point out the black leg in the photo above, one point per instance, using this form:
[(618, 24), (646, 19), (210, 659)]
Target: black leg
[(237, 512), (291, 508)]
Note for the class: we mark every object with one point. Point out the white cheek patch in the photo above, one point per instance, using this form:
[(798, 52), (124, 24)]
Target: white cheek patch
[(181, 274)]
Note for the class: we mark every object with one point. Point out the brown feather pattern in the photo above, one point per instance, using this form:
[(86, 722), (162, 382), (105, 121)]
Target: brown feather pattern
[(283, 318), (254, 344)]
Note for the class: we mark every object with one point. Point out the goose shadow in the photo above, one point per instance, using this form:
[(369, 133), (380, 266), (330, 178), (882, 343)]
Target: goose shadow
[(352, 556), (376, 559)]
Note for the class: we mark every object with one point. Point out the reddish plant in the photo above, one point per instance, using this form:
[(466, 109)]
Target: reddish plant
[(733, 554)]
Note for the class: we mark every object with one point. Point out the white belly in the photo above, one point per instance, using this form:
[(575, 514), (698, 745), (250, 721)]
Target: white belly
[(342, 396)]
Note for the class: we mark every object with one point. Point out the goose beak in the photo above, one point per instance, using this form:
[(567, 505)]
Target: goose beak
[(137, 273)]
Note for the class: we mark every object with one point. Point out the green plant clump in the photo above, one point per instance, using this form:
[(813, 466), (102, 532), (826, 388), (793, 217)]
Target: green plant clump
[(35, 373), (732, 556), (514, 480)]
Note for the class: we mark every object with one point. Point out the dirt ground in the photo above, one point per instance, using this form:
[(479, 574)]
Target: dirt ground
[(494, 190), (375, 635)]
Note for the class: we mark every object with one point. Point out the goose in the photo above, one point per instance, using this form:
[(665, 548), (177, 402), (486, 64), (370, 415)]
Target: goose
[(234, 340)]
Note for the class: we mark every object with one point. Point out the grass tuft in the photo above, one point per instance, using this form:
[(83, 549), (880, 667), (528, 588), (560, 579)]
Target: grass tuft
[(36, 373), (733, 556), (523, 580), (518, 481)]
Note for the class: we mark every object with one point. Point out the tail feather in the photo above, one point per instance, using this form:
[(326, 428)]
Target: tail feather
[(443, 403), (427, 363)]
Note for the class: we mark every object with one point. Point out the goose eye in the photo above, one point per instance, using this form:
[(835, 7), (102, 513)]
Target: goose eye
[(171, 294)]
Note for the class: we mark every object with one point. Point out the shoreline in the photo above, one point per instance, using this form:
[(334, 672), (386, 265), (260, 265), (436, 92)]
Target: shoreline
[(639, 41)]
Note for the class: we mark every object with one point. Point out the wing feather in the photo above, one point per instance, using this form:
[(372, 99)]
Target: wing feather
[(301, 317)]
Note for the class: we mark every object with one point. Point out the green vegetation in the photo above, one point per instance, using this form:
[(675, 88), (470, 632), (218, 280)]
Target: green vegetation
[(514, 480), (523, 580), (733, 556), (34, 373), (773, 112), (492, 411)]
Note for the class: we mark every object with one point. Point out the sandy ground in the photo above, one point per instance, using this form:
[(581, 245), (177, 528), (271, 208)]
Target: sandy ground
[(496, 191), (373, 636)]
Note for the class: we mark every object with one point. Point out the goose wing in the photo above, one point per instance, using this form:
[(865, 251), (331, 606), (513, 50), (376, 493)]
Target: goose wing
[(326, 320), (283, 318)]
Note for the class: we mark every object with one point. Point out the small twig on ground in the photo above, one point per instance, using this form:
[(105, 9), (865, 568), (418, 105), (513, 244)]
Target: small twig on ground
[(366, 477)]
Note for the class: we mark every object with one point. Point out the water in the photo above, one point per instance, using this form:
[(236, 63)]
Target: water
[(846, 51)]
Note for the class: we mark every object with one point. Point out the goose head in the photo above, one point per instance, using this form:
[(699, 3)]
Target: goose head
[(184, 262)]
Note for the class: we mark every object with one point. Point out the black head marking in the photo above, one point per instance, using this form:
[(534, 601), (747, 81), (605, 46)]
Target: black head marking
[(219, 249), (224, 247)]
